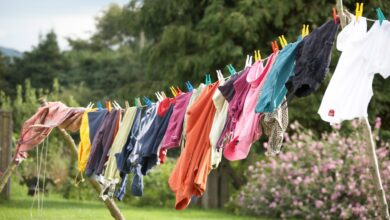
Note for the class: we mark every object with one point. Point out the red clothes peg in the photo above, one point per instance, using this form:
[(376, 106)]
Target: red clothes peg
[(335, 17), (275, 47)]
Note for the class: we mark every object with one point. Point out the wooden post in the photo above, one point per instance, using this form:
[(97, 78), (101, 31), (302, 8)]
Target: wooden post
[(384, 209), (5, 150)]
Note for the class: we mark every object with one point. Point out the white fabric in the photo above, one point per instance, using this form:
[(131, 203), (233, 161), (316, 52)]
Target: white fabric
[(221, 106), (364, 53)]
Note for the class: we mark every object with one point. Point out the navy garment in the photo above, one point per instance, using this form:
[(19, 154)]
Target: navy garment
[(153, 138), (95, 119), (227, 89), (312, 59), (102, 144), (137, 186), (123, 164)]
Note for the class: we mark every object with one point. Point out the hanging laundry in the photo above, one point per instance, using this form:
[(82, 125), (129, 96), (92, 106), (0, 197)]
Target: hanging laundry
[(111, 174), (102, 143), (135, 157), (123, 163), (189, 176), (248, 125), (236, 104), (195, 94), (39, 126), (221, 109), (274, 87), (85, 142), (312, 60), (274, 125), (364, 53), (95, 120), (155, 134), (174, 131)]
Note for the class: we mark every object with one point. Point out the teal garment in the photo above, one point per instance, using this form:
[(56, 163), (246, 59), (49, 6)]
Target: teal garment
[(274, 89)]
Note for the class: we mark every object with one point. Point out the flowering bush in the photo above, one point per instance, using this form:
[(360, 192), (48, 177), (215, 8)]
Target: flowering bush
[(315, 179)]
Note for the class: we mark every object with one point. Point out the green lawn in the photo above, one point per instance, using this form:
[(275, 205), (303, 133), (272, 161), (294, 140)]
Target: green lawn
[(55, 207)]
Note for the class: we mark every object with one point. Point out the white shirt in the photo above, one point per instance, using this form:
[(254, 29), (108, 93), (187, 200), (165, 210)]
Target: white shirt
[(364, 53)]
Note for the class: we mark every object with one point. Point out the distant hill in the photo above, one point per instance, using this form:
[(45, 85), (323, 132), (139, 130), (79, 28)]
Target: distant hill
[(8, 52)]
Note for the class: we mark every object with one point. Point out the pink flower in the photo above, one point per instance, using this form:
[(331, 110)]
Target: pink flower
[(378, 123), (319, 204)]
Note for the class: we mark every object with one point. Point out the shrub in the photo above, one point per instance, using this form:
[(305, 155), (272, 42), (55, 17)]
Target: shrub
[(325, 178)]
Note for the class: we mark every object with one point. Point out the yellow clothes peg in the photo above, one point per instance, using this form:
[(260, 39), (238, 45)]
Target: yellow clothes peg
[(257, 55), (173, 91), (359, 10), (305, 30), (283, 41)]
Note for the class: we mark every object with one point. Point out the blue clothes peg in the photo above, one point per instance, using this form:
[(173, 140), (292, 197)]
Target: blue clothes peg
[(147, 101), (189, 86), (208, 79), (100, 106), (233, 70), (380, 15)]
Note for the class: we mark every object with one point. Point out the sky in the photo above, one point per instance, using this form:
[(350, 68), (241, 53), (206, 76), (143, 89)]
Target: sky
[(23, 21)]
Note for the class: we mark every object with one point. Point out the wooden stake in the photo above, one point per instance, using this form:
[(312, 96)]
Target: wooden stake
[(7, 174), (371, 153)]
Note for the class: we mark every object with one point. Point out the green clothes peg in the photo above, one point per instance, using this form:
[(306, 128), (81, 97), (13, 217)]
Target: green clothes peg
[(380, 15)]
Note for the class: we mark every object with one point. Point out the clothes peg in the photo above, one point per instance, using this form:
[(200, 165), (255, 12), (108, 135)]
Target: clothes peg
[(189, 86), (275, 47), (232, 68), (135, 102), (163, 94), (127, 105), (249, 63), (147, 101), (257, 55), (178, 90), (100, 106), (380, 15), (173, 91), (283, 41), (359, 10), (335, 17), (159, 97), (209, 79), (305, 30), (108, 105)]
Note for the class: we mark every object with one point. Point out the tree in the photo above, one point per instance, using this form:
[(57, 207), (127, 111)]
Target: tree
[(41, 65)]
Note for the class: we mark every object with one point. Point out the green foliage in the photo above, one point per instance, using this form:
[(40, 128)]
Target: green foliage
[(41, 65)]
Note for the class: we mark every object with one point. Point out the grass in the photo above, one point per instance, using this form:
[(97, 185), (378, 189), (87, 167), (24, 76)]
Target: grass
[(55, 207)]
